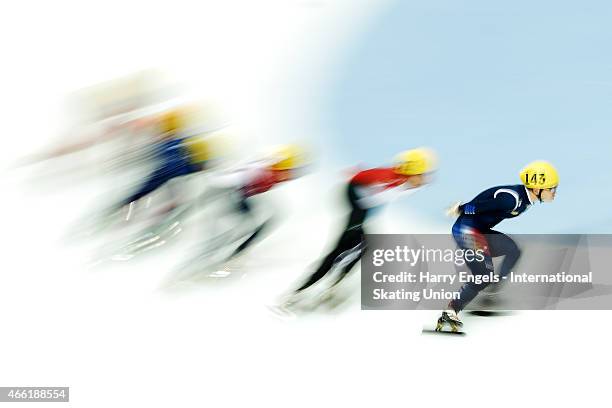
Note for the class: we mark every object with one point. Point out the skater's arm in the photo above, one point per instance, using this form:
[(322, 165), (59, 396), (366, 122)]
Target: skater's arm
[(232, 179), (386, 195), (503, 202)]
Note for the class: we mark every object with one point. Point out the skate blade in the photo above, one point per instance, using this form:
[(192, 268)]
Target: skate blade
[(328, 299), (443, 332), (281, 312), (336, 302)]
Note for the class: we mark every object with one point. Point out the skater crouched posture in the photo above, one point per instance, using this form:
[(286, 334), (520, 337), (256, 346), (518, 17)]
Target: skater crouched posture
[(367, 190), (177, 155), (473, 228), (285, 163)]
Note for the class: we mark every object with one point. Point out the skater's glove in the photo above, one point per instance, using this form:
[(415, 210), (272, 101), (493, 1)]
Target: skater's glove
[(454, 210)]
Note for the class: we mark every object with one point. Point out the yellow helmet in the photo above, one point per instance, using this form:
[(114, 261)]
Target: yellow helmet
[(288, 157), (172, 121), (415, 161), (539, 174), (199, 149)]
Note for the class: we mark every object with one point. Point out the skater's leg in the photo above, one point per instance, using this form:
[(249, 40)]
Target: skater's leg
[(471, 238), (249, 241), (351, 238), (246, 212), (469, 291), (351, 258), (325, 265), (503, 245), (155, 181), (160, 176)]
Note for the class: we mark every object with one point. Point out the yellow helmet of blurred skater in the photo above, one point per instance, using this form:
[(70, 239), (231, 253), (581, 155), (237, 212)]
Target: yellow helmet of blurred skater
[(199, 149), (539, 174), (288, 157), (172, 121), (416, 161)]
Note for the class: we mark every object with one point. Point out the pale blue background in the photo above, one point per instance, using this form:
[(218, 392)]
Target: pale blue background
[(491, 85)]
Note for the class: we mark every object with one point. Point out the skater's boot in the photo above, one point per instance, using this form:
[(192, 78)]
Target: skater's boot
[(234, 264), (449, 316), (289, 299), (328, 294), (284, 305)]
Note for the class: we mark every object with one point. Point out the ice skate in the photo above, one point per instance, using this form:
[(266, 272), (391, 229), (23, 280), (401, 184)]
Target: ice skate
[(327, 295), (449, 316), (284, 307)]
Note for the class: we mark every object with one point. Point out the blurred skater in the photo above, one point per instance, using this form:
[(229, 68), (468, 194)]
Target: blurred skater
[(237, 189), (176, 154), (366, 191)]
